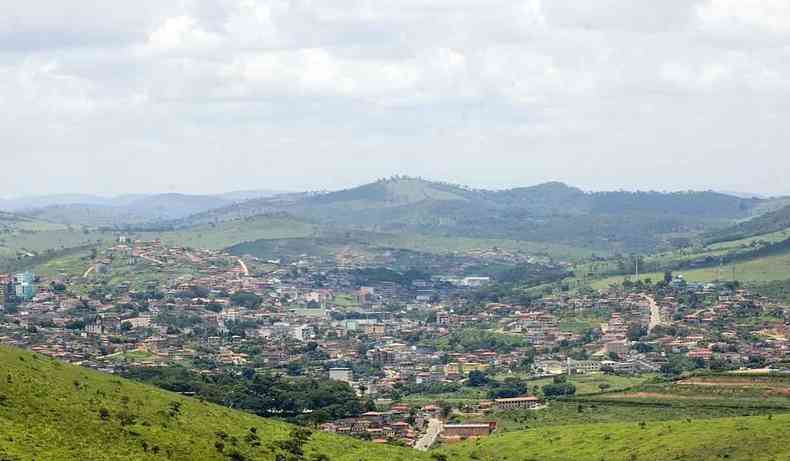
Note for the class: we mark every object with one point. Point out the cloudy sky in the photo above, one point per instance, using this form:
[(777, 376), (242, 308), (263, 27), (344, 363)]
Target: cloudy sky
[(216, 95)]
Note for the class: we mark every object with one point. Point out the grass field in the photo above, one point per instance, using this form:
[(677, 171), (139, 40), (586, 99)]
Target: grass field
[(591, 384), (443, 245), (73, 265), (39, 241), (591, 411), (635, 399), (762, 269), (746, 438), (56, 412), (229, 233), (769, 268)]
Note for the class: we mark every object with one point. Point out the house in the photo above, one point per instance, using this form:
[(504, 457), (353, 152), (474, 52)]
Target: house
[(457, 432)]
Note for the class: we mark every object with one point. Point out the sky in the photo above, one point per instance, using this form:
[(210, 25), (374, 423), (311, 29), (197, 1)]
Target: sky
[(205, 96)]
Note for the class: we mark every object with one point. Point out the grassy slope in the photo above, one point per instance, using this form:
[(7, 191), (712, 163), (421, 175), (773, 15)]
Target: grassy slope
[(444, 244), (748, 438), (230, 233), (761, 269), (50, 411), (775, 267)]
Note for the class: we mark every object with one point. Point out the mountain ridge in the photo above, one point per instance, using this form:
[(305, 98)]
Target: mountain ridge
[(548, 212)]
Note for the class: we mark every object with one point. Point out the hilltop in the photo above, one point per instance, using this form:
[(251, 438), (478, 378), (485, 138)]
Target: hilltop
[(53, 411), (772, 221), (550, 213)]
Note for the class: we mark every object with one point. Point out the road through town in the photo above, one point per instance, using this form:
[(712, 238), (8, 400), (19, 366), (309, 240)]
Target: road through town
[(435, 427)]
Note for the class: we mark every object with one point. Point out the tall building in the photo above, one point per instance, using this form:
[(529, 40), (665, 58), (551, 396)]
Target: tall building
[(6, 289), (25, 287)]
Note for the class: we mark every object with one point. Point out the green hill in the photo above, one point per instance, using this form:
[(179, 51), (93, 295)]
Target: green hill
[(134, 211), (548, 213), (746, 438), (773, 221), (53, 411)]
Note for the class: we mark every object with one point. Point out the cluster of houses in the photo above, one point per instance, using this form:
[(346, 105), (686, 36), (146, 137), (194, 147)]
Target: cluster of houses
[(209, 307)]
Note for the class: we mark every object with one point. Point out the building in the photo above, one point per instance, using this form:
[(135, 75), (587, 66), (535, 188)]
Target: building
[(464, 369), (455, 432), (617, 347), (582, 367), (25, 288), (476, 282), (6, 289), (517, 403), (341, 374)]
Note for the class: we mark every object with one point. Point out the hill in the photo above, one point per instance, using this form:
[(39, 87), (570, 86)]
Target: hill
[(53, 411), (548, 213), (129, 210), (764, 224)]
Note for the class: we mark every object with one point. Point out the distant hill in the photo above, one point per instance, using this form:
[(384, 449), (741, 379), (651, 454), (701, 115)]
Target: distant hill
[(57, 412), (764, 224), (129, 210), (551, 212), (17, 222), (123, 210), (242, 195), (41, 201)]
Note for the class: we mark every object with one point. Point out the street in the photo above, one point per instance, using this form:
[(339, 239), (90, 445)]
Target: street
[(655, 313), (435, 427)]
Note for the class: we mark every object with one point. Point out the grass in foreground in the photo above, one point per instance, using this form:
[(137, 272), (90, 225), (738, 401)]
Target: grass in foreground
[(746, 438), (53, 411)]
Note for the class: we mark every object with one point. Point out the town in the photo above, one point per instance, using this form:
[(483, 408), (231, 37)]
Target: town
[(427, 359)]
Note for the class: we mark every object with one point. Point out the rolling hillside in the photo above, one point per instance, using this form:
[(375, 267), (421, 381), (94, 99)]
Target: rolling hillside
[(57, 412), (764, 224), (129, 211), (549, 213)]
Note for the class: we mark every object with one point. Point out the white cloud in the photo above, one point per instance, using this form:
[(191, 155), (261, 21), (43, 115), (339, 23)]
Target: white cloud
[(516, 90), (181, 34), (746, 16)]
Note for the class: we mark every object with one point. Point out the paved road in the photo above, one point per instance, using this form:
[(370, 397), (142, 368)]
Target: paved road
[(435, 428), (244, 267), (655, 313)]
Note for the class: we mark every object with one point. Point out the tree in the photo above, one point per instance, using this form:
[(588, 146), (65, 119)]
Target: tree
[(668, 277), (445, 410), (246, 299), (126, 326), (559, 390), (477, 378), (635, 332)]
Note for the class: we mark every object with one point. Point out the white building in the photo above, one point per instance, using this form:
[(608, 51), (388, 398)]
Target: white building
[(341, 374)]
